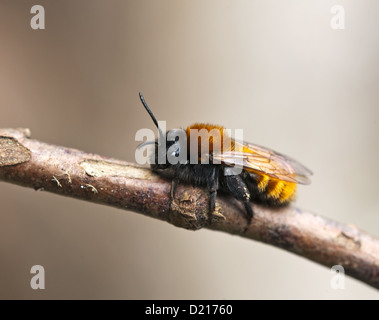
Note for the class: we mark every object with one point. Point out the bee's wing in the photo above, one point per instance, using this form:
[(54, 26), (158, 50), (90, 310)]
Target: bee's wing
[(256, 159)]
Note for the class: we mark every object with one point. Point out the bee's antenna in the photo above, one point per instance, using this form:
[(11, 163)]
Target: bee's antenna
[(146, 143), (151, 115), (148, 109)]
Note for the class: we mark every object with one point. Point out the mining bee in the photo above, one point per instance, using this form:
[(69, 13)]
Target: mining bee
[(264, 177)]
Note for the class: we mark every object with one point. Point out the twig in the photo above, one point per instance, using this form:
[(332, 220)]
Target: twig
[(91, 177)]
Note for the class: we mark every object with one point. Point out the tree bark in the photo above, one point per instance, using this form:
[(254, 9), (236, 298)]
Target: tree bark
[(95, 178)]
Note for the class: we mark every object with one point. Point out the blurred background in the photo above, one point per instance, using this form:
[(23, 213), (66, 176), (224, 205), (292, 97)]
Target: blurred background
[(273, 68)]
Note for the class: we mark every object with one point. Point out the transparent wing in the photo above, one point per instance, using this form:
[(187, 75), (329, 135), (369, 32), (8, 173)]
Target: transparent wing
[(256, 159)]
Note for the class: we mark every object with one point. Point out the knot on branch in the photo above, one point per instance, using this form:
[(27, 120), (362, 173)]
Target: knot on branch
[(12, 152), (190, 209)]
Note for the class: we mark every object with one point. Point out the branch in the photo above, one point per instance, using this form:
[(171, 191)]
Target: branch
[(91, 177)]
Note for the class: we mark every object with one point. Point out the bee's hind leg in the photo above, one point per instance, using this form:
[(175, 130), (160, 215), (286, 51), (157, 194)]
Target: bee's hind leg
[(237, 187)]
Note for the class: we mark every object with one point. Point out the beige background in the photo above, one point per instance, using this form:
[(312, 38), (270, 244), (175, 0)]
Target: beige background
[(274, 68)]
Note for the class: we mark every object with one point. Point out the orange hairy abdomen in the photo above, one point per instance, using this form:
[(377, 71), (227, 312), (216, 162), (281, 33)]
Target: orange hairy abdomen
[(279, 191)]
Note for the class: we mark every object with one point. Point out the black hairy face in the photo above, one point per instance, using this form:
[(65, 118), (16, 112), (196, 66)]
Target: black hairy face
[(171, 154)]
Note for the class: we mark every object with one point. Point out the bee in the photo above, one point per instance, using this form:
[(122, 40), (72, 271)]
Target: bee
[(264, 177)]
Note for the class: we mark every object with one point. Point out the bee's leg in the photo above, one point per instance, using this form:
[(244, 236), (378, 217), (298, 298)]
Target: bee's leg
[(237, 187), (174, 183), (212, 189)]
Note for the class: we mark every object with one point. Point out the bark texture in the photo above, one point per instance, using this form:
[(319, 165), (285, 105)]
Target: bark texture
[(95, 178)]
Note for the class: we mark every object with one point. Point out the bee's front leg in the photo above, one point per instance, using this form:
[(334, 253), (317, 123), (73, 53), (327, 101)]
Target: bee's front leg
[(174, 183)]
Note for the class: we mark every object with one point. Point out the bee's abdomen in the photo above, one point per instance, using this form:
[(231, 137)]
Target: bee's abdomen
[(267, 190)]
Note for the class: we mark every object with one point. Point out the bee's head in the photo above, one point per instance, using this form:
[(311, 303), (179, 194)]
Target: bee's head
[(168, 153), (168, 146)]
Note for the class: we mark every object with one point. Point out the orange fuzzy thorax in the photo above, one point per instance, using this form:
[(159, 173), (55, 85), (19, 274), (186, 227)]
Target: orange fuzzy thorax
[(219, 139)]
